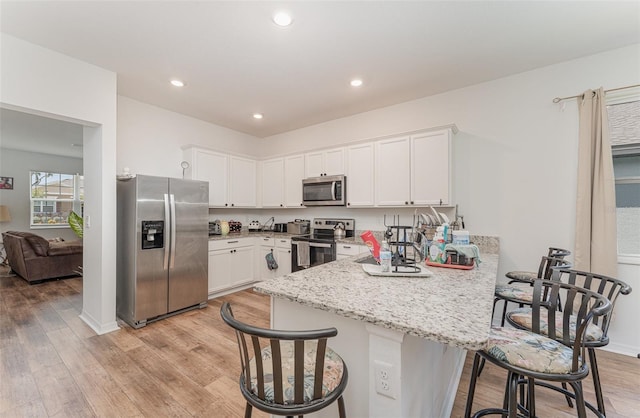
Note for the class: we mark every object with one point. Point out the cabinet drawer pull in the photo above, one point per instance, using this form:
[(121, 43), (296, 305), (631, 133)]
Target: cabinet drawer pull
[(346, 246), (232, 242)]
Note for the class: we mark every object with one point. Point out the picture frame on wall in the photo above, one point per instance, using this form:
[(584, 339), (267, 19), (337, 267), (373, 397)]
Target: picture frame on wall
[(6, 183)]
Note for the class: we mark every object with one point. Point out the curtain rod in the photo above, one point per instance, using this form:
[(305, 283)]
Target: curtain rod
[(559, 99)]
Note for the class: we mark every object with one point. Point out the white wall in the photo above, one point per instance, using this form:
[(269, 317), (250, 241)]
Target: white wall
[(40, 81), (18, 164), (150, 138), (515, 155)]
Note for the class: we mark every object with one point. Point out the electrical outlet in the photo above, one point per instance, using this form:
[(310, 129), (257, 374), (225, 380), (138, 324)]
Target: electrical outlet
[(384, 378)]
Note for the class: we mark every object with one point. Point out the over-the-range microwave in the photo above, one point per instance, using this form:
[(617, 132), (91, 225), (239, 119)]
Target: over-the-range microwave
[(324, 191)]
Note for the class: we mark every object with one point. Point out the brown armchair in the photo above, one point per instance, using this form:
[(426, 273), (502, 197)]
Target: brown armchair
[(35, 259)]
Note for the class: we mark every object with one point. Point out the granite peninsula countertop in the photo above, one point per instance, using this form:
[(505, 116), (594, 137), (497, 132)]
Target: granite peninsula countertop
[(451, 306)]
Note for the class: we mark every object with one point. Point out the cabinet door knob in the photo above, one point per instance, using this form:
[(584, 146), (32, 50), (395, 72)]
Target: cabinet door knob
[(281, 205), (412, 202), (232, 204), (406, 203), (226, 204)]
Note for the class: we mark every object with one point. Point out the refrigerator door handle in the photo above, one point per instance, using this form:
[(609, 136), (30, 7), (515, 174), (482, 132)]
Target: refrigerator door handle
[(172, 200), (166, 239)]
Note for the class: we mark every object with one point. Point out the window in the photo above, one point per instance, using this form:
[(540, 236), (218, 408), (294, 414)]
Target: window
[(624, 125), (53, 197)]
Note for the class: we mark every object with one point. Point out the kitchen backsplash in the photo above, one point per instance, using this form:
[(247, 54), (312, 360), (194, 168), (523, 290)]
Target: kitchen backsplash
[(366, 218)]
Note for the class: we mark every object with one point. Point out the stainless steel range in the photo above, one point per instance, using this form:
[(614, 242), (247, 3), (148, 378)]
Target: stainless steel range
[(319, 246)]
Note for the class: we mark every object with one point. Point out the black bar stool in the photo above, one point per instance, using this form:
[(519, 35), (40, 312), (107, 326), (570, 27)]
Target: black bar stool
[(596, 333), (529, 356), (288, 372)]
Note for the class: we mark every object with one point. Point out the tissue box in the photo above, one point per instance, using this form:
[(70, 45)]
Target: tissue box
[(460, 237)]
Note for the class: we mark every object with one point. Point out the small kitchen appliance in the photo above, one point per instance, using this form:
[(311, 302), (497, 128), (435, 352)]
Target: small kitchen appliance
[(324, 191), (280, 227), (214, 228), (298, 227), (254, 226)]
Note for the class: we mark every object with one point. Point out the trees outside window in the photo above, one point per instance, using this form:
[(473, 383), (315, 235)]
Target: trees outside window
[(53, 197)]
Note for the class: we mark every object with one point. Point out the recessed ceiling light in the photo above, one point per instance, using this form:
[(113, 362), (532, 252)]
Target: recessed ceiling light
[(356, 82), (257, 115), (177, 83), (282, 19)]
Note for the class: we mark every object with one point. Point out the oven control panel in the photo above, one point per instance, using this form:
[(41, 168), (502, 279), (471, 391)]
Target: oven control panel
[(331, 223)]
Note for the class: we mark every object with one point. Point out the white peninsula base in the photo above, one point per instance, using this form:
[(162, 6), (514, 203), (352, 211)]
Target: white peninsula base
[(421, 375)]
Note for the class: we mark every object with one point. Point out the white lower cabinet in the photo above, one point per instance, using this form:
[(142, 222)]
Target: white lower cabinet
[(263, 247), (230, 263), (349, 250), (281, 250), (283, 256)]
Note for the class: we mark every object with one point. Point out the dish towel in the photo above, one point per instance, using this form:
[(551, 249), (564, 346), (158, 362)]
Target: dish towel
[(468, 250), (303, 254)]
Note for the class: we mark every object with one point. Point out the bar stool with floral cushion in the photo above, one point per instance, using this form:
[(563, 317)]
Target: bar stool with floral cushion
[(596, 333), (518, 289), (530, 356), (288, 372)]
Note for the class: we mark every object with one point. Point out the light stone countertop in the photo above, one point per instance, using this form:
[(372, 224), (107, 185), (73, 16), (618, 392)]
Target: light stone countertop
[(452, 306)]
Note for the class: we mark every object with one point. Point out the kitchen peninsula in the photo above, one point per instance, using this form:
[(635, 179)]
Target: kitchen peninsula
[(413, 330)]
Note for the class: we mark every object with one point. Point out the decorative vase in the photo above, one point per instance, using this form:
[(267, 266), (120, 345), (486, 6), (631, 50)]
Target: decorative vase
[(224, 228)]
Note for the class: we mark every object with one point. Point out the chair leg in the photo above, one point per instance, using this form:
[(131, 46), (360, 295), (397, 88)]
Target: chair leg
[(472, 385), (580, 406), (596, 380), (567, 397), (504, 313), (342, 412), (513, 389), (481, 368), (531, 397), (247, 410)]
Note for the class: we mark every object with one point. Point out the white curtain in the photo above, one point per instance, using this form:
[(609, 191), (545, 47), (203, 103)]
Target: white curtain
[(596, 236)]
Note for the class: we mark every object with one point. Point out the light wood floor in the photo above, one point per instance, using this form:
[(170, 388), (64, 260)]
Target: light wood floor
[(53, 365)]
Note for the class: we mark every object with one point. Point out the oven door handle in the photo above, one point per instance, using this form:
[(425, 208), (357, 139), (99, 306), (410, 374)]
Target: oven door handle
[(315, 244)]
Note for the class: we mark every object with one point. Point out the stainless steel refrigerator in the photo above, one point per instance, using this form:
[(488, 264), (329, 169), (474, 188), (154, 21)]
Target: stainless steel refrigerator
[(162, 247)]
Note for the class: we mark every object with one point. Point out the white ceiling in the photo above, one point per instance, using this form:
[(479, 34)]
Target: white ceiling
[(32, 133), (236, 62)]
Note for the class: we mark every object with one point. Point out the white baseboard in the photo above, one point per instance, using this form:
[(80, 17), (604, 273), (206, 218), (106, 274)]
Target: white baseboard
[(96, 326), (224, 292), (625, 349)]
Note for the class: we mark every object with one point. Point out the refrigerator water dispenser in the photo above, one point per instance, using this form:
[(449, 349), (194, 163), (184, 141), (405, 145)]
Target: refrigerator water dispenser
[(152, 234)]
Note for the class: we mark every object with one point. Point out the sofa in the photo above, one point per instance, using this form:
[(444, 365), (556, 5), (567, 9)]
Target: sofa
[(35, 258)]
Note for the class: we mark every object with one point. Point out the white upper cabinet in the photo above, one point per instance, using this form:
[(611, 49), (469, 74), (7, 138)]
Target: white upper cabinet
[(360, 175), (293, 175), (212, 167), (393, 183), (325, 163), (414, 170), (273, 182), (431, 168), (242, 182), (232, 180)]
